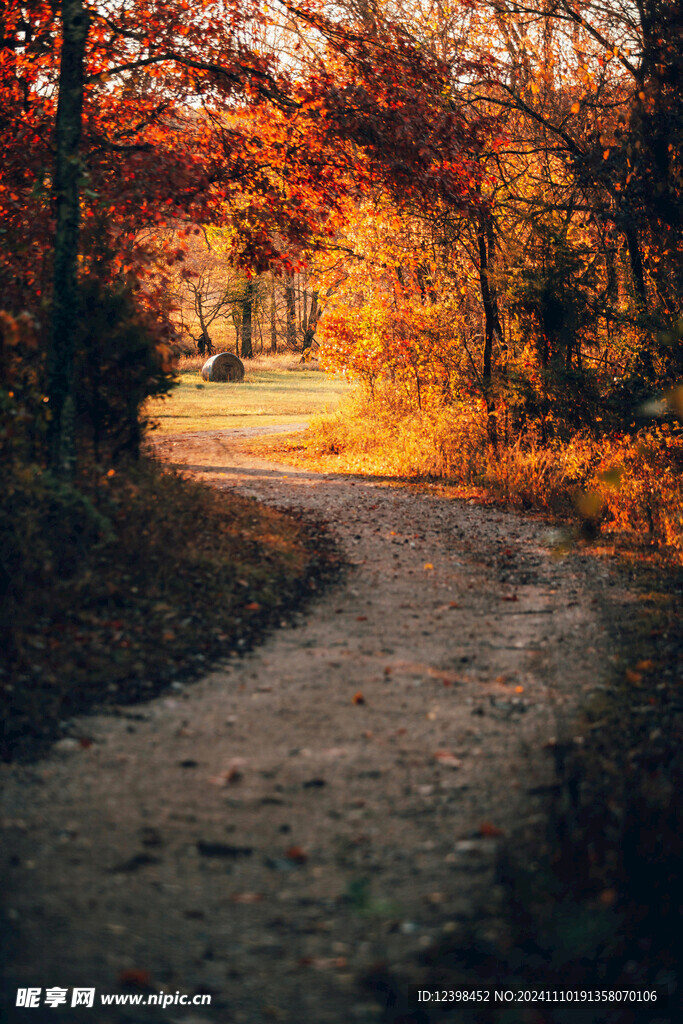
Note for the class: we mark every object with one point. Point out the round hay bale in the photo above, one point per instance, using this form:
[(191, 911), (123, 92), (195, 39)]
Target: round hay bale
[(223, 366)]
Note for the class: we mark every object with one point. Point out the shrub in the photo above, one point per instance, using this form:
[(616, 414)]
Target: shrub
[(121, 360)]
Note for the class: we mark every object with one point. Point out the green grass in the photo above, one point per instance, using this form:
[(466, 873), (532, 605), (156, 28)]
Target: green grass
[(266, 398)]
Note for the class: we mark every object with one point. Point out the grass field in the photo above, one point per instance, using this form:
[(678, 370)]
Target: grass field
[(272, 394)]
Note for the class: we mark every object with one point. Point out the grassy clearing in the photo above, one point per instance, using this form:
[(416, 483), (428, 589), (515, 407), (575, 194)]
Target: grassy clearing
[(129, 582), (276, 391)]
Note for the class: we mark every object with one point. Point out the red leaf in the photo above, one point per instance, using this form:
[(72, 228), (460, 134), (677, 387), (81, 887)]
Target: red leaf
[(134, 978), (296, 854), (490, 831)]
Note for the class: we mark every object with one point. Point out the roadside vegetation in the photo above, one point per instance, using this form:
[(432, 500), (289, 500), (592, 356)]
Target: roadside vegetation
[(131, 580), (627, 487)]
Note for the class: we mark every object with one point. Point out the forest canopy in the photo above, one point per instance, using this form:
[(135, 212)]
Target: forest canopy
[(473, 208)]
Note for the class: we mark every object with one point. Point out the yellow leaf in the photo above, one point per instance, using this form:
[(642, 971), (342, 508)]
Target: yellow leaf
[(428, 565), (605, 155), (576, 107)]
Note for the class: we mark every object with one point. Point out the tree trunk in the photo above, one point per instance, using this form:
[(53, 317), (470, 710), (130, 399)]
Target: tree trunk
[(204, 345), (304, 312), (273, 321), (312, 323), (67, 174), (290, 299), (492, 329), (636, 261), (247, 305), (237, 325)]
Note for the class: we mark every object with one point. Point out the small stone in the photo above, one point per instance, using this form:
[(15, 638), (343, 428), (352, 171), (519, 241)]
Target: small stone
[(467, 846), (66, 746)]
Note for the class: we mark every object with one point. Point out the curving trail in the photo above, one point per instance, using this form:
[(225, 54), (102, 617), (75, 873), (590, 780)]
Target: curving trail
[(330, 801)]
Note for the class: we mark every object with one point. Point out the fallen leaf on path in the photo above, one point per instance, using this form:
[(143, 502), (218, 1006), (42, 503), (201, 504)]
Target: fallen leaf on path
[(230, 774), (428, 565), (633, 677), (323, 963), (642, 666), (134, 978), (296, 854), (447, 759), (490, 831), (358, 698), (226, 778), (246, 897), (509, 597), (447, 678), (435, 898), (253, 606)]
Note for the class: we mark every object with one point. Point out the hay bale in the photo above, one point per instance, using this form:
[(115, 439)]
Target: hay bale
[(223, 366)]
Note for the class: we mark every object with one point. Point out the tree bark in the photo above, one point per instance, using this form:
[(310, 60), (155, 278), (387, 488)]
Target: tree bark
[(637, 270), (492, 328), (247, 305), (65, 300), (273, 321), (204, 344), (304, 312), (290, 299), (237, 324), (312, 323)]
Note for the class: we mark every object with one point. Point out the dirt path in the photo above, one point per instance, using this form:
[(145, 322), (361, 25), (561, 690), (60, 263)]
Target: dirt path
[(330, 801)]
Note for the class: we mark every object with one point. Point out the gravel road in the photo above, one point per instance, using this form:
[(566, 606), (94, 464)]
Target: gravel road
[(331, 801)]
